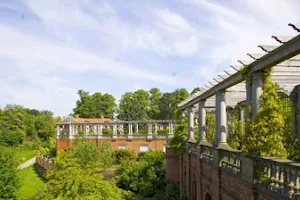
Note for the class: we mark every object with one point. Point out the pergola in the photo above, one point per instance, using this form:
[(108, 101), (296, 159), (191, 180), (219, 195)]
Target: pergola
[(231, 87)]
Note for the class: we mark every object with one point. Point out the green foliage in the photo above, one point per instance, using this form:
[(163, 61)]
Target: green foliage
[(178, 141), (95, 105), (210, 127), (265, 134), (163, 132), (145, 177), (77, 175), (123, 155), (155, 95), (197, 89), (45, 126), (107, 131), (134, 106), (9, 181), (235, 134)]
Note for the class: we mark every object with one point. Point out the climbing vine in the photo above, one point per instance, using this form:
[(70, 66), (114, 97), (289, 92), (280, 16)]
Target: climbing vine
[(264, 136)]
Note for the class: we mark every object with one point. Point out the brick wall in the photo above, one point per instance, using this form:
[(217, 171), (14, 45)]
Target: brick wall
[(133, 144), (202, 180)]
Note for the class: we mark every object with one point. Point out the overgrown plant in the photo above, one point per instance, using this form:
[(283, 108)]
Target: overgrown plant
[(264, 136)]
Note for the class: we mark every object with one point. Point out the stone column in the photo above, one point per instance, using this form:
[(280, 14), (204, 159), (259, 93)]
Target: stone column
[(256, 92), (100, 129), (57, 131), (248, 99), (150, 129), (137, 128), (202, 122), (191, 137), (115, 129), (130, 129), (171, 132), (121, 129), (155, 129), (221, 124)]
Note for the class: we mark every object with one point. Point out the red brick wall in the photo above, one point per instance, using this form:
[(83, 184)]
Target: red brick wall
[(173, 166), (133, 144), (209, 179)]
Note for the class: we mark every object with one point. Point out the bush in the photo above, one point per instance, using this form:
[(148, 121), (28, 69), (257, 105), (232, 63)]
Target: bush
[(31, 144), (163, 132), (107, 131), (11, 138), (123, 155), (9, 181)]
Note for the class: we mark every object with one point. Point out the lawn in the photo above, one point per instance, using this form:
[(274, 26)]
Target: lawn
[(23, 155), (31, 183)]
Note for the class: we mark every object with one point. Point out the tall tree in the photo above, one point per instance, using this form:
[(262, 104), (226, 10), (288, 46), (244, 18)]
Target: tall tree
[(168, 103), (154, 98), (134, 106), (96, 105)]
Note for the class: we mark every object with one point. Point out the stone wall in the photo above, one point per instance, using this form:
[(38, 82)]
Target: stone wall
[(214, 173)]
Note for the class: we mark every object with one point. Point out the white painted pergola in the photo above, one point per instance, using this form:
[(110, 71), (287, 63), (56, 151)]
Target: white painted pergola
[(231, 87)]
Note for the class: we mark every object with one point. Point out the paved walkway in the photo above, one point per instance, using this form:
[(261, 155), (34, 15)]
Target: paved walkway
[(27, 163)]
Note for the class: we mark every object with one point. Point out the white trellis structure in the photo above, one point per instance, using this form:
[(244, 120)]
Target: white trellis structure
[(230, 87)]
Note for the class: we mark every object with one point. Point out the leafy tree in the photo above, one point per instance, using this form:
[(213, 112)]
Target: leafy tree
[(168, 103), (134, 106), (45, 126), (122, 155), (210, 127), (145, 177), (69, 179), (9, 181), (178, 141), (96, 105), (155, 96)]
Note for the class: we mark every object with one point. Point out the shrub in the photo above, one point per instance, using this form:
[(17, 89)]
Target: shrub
[(122, 154)]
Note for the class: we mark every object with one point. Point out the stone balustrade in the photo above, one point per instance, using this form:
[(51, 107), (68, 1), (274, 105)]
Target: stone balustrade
[(72, 129), (278, 177)]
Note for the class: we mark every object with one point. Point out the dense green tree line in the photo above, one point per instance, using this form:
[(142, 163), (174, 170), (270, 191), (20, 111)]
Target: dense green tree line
[(24, 129), (138, 105)]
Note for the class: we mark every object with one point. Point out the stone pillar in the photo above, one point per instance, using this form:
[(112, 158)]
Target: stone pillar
[(256, 92), (137, 128), (171, 132), (248, 99), (202, 122), (121, 129), (191, 136), (150, 129), (221, 122), (57, 131), (155, 128), (130, 129), (115, 129), (100, 129)]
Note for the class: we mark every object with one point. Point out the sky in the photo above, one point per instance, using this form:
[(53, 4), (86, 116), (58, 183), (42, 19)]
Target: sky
[(51, 49)]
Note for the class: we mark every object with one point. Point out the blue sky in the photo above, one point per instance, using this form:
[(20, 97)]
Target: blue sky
[(50, 49)]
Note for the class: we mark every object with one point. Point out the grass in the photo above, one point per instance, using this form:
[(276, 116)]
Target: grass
[(23, 155), (31, 183)]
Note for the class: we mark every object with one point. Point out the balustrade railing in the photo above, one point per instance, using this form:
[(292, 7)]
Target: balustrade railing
[(230, 160), (206, 153), (278, 176)]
